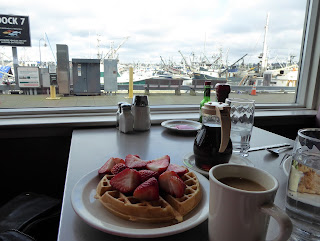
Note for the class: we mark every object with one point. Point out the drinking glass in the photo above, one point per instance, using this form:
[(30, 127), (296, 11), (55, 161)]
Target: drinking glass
[(303, 189), (242, 116)]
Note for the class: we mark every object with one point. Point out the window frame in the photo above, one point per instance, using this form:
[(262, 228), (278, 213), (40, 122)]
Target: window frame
[(307, 97), (308, 89)]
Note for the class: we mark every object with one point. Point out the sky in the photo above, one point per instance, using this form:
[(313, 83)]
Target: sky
[(160, 28)]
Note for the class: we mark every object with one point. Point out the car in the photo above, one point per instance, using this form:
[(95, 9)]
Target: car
[(14, 33)]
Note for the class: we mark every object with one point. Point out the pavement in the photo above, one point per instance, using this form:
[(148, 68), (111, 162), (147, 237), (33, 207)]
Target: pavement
[(155, 98)]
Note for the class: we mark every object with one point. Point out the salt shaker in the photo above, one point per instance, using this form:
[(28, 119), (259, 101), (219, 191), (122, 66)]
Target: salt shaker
[(126, 119), (141, 113), (118, 113)]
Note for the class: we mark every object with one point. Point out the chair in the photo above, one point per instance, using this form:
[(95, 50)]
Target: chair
[(30, 215)]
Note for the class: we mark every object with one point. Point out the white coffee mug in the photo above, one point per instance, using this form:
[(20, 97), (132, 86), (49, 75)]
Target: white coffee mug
[(242, 215)]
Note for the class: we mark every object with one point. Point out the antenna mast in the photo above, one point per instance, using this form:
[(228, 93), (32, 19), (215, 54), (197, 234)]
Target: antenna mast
[(264, 61)]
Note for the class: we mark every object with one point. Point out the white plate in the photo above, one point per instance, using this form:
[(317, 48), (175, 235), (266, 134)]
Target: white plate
[(97, 216), (189, 161), (173, 125), (286, 165)]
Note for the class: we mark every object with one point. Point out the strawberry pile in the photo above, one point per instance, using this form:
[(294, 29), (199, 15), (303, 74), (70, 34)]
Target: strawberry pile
[(145, 179)]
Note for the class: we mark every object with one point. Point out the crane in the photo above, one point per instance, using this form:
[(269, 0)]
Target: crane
[(164, 64), (235, 63), (186, 63), (112, 54)]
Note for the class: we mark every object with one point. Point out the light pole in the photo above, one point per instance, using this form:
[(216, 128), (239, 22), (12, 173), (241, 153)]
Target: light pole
[(45, 45)]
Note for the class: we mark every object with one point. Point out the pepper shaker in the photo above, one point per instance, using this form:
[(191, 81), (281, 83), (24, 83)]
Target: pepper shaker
[(126, 119), (118, 114), (141, 113)]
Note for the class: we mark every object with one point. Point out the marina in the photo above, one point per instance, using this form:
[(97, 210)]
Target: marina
[(105, 80)]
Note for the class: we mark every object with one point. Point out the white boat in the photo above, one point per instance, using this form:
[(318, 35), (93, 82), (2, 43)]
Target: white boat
[(139, 76)]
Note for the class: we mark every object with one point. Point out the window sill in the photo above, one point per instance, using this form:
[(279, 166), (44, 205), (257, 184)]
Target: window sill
[(108, 119)]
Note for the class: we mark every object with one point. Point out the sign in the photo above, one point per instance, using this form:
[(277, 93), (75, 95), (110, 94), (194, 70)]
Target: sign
[(14, 31), (52, 68), (28, 77), (53, 79)]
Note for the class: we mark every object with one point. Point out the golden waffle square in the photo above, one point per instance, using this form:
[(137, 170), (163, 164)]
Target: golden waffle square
[(167, 208)]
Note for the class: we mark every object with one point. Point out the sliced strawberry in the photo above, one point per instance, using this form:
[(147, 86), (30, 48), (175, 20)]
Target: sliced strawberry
[(160, 164), (164, 180), (146, 174), (126, 181), (106, 168), (180, 170), (148, 190), (134, 161), (118, 168), (177, 186)]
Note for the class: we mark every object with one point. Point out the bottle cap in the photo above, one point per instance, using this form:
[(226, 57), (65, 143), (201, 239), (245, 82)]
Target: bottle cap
[(121, 103), (222, 91), (207, 83), (140, 100), (126, 106)]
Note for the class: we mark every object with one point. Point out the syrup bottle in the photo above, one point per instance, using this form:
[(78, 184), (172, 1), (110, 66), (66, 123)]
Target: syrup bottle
[(212, 145)]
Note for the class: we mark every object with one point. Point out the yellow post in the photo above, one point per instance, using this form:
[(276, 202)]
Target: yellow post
[(53, 93), (130, 82)]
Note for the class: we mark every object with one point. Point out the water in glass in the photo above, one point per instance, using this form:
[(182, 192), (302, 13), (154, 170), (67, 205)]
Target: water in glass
[(303, 189)]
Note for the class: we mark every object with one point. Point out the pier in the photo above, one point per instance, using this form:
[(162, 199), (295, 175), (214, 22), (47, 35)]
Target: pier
[(156, 97)]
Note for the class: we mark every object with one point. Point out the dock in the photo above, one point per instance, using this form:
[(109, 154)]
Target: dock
[(155, 98)]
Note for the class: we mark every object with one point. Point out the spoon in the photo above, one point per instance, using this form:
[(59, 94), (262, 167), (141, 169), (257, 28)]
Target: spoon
[(279, 150)]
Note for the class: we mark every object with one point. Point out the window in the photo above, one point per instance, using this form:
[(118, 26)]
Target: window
[(267, 45)]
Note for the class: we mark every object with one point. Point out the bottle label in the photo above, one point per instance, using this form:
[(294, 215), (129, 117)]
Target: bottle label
[(207, 92)]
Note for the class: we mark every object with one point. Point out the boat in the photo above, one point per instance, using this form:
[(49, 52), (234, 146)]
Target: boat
[(139, 76)]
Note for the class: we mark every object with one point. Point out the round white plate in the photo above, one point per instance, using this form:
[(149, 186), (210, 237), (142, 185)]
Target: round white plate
[(189, 161), (174, 125), (96, 215), (287, 165)]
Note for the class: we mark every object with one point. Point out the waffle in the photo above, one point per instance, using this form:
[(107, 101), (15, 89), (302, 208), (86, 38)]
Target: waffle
[(166, 209)]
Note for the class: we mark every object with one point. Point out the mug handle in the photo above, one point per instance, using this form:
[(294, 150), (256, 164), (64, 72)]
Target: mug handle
[(282, 218)]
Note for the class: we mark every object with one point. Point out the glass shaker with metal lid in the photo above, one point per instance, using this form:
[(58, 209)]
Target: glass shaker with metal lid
[(212, 145), (141, 113), (118, 113), (126, 119)]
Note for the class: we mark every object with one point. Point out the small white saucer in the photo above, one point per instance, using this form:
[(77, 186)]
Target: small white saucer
[(189, 161), (183, 126)]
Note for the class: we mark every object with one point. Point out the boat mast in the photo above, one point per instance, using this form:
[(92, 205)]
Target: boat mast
[(264, 61), (186, 63)]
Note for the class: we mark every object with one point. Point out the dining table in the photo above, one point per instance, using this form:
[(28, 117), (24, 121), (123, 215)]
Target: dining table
[(91, 148)]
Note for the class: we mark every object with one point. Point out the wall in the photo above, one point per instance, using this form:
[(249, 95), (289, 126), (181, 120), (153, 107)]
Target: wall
[(33, 164)]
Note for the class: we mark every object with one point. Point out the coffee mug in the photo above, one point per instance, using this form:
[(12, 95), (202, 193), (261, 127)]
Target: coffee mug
[(241, 203)]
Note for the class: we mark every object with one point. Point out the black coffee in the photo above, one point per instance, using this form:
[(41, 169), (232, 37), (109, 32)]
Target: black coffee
[(242, 183)]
